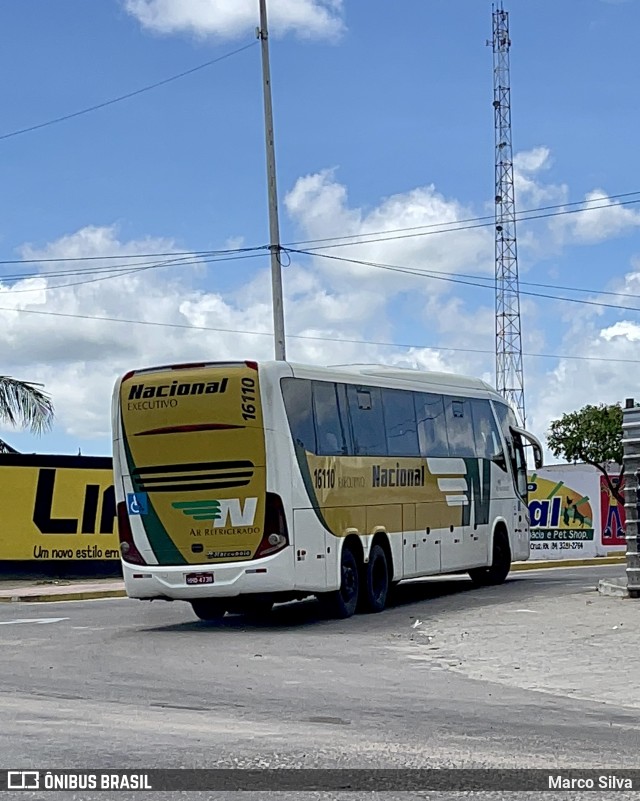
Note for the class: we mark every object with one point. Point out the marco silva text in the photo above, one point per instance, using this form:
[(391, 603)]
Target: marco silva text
[(606, 781)]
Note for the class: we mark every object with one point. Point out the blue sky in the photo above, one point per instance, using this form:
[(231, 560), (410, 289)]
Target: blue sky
[(383, 120)]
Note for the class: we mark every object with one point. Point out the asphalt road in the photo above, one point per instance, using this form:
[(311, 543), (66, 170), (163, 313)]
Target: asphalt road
[(127, 684)]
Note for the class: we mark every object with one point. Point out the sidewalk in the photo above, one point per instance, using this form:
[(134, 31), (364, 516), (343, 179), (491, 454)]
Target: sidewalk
[(84, 589), (39, 590), (580, 645)]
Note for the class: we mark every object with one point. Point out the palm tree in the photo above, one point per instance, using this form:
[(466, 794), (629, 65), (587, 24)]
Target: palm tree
[(24, 405)]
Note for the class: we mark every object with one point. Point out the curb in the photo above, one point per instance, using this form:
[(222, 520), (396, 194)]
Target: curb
[(595, 562), (612, 588), (64, 596)]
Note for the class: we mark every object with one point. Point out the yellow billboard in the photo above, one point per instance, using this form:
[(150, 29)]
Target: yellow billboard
[(561, 512), (57, 508)]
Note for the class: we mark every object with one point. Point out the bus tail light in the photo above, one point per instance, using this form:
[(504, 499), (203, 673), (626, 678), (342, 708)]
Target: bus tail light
[(276, 535), (128, 549)]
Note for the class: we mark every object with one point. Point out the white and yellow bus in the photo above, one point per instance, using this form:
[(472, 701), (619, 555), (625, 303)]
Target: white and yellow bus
[(240, 485)]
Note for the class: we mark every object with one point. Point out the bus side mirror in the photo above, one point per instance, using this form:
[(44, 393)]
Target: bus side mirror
[(537, 456), (535, 445)]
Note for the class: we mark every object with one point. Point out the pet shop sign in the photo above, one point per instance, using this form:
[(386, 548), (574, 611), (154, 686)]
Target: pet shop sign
[(562, 516)]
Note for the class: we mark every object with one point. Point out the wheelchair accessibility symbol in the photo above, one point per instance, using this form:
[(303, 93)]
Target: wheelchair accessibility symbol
[(137, 503)]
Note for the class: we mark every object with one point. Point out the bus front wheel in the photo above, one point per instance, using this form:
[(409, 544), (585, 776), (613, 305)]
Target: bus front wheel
[(209, 609), (343, 602), (500, 564)]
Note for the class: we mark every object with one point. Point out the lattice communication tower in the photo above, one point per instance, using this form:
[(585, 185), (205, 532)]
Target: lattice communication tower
[(509, 371)]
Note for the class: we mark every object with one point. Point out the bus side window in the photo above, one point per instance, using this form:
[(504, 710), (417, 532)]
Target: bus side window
[(400, 422), (298, 406), (459, 426), (330, 419), (367, 420), (486, 433), (432, 428)]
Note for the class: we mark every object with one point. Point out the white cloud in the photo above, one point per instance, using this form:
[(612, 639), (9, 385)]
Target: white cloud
[(533, 160), (319, 204), (604, 372), (78, 360), (601, 219), (530, 191), (624, 329), (230, 18)]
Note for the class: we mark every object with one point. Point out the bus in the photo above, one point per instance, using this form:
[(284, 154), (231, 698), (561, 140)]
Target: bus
[(240, 485)]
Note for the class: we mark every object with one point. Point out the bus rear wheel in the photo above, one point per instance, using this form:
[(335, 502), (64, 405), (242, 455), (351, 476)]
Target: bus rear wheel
[(500, 564), (376, 581), (343, 602), (209, 609)]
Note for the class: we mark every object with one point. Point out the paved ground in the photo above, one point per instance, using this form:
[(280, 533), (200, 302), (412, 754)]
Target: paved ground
[(120, 683)]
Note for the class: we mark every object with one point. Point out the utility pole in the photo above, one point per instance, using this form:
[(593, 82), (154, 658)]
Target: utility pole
[(631, 468), (509, 369), (274, 228)]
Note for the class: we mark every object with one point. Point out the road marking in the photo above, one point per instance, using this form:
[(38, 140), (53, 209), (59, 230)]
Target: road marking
[(39, 620)]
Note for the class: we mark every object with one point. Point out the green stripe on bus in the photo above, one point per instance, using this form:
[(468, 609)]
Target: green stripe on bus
[(161, 543), (301, 457)]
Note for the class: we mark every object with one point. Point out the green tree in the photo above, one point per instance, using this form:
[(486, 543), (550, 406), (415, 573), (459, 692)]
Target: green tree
[(593, 435), (24, 405)]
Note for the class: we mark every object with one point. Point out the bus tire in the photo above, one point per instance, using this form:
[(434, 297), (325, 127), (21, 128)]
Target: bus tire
[(500, 564), (209, 609), (343, 602), (376, 581)]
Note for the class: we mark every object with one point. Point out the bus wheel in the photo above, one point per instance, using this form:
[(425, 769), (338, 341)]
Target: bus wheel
[(500, 565), (343, 602), (209, 609), (376, 585)]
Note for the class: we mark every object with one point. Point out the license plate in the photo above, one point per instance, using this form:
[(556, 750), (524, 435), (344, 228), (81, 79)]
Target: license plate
[(199, 578)]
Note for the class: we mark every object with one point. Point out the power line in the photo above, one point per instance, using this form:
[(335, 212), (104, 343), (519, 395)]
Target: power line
[(433, 273), (62, 259), (292, 245), (199, 257), (407, 346), (126, 96), (421, 274), (194, 258), (471, 227), (121, 268), (121, 272), (186, 258), (490, 218), (183, 258)]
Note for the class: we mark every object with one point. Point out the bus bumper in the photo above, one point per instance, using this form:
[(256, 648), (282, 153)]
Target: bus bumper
[(273, 574)]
